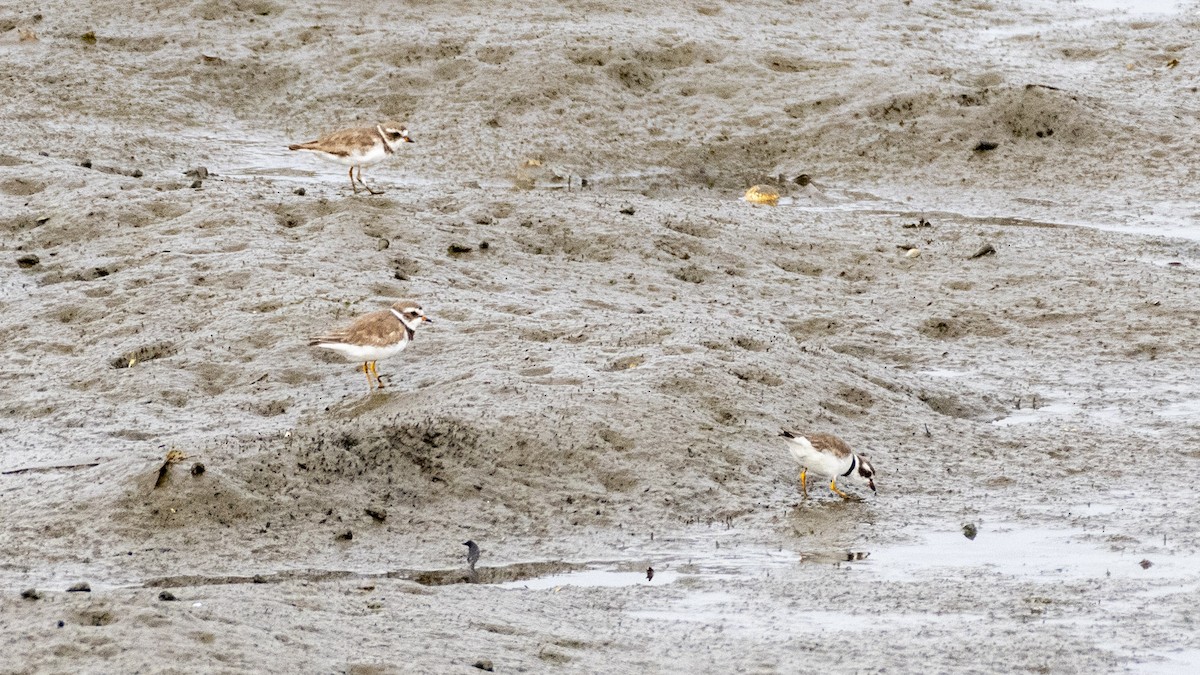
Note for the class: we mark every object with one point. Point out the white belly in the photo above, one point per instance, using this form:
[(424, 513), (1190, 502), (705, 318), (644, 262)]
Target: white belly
[(363, 354), (820, 463), (372, 156)]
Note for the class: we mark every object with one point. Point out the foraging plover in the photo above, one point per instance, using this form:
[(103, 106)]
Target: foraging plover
[(828, 455), (359, 147), (375, 336)]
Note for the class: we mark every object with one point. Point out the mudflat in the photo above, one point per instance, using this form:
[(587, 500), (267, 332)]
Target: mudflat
[(983, 272)]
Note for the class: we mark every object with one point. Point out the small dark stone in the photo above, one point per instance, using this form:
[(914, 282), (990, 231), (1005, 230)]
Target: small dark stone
[(970, 531), (199, 173), (299, 192), (136, 173), (628, 210), (381, 244), (31, 594), (61, 623), (803, 179), (198, 469), (483, 246), (81, 587), (984, 146), (167, 596), (258, 579), (1146, 564), (197, 184), (378, 514), (986, 249), (345, 536), (89, 37), (28, 260), (484, 664), (458, 249), (87, 163)]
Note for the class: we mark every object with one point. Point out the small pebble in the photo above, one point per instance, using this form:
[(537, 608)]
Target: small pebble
[(81, 587), (299, 192), (381, 244), (28, 260), (199, 172), (31, 594), (377, 513), (970, 531), (986, 249), (628, 210), (167, 596), (197, 184), (345, 536), (198, 469), (484, 664), (61, 623), (1146, 564)]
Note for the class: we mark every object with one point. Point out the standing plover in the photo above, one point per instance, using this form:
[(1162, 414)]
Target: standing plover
[(375, 336), (828, 455), (359, 147)]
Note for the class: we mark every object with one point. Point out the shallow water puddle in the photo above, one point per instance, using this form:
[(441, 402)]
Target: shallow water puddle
[(1036, 553), (597, 578)]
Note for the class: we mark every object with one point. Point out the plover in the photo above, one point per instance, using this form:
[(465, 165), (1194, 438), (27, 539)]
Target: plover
[(828, 455), (359, 147), (375, 336)]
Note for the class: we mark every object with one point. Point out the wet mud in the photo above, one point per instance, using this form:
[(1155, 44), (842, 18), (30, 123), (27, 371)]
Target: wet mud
[(981, 270)]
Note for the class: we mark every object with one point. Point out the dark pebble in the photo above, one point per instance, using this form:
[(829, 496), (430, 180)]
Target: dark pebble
[(43, 153), (299, 191), (483, 246), (970, 531), (986, 249), (628, 210), (199, 172), (984, 146), (198, 469), (61, 623), (258, 579), (484, 664), (167, 596), (458, 249), (81, 587), (87, 164), (803, 179), (345, 536), (377, 513), (28, 260), (197, 184), (31, 594)]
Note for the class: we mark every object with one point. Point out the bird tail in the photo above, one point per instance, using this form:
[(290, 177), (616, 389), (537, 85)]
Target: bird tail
[(787, 434), (301, 146)]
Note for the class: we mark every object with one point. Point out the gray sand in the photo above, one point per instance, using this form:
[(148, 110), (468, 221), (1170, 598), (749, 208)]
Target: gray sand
[(605, 379)]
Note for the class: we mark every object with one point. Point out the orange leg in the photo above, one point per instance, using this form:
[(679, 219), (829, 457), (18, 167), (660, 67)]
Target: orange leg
[(833, 486), (804, 481), (375, 369), (367, 372), (352, 185)]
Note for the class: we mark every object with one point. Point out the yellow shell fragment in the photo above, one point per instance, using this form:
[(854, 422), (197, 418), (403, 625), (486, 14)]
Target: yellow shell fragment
[(762, 194)]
